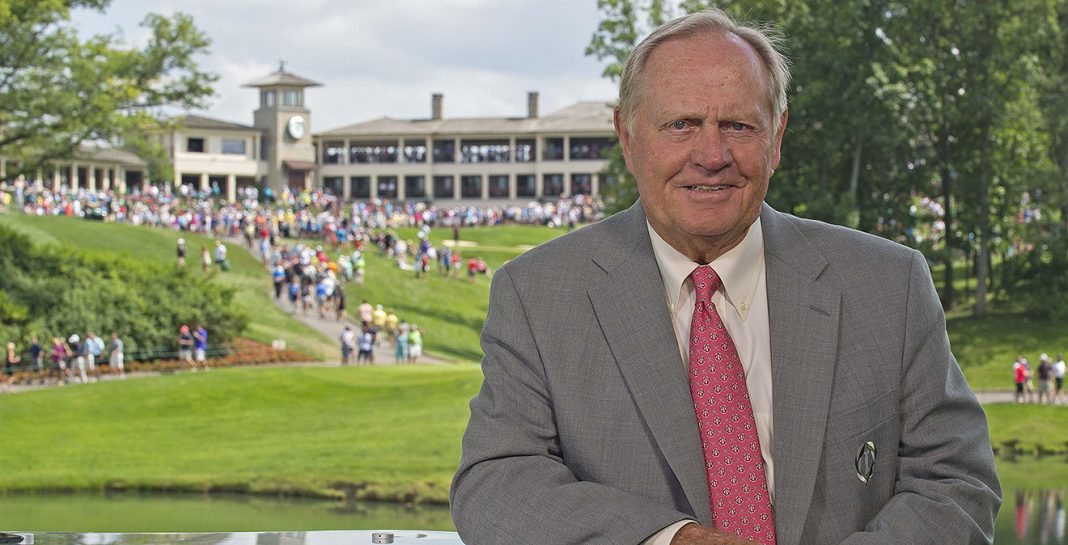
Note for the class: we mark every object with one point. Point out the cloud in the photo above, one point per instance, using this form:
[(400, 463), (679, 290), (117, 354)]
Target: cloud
[(385, 57)]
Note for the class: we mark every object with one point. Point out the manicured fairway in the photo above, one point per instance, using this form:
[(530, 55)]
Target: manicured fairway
[(389, 433)]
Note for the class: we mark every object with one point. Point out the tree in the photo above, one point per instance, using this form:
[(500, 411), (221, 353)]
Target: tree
[(614, 39), (842, 150), (1053, 100), (967, 68), (896, 100), (58, 90)]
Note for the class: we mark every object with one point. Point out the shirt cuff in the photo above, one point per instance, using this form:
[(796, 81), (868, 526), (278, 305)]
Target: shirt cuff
[(664, 537)]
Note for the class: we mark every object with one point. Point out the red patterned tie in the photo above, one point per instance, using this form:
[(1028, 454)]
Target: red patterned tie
[(733, 462)]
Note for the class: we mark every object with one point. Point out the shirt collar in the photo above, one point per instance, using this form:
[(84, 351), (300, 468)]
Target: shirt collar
[(740, 269)]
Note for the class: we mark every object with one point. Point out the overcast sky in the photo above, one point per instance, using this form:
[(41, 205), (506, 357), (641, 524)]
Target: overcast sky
[(386, 57)]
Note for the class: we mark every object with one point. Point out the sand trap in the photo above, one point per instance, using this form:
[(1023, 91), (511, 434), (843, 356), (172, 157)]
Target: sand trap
[(460, 243)]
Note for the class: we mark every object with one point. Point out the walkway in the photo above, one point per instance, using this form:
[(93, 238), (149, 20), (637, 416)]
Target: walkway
[(332, 327)]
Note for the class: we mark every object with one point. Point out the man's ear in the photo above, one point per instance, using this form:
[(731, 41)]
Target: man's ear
[(777, 143)]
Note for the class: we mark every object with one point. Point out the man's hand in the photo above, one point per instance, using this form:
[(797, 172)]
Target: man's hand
[(695, 534)]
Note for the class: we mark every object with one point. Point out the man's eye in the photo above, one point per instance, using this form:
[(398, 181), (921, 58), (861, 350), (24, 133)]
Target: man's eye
[(678, 125), (736, 126)]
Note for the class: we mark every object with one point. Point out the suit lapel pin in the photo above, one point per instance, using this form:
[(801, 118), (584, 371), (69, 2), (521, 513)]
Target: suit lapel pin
[(865, 462)]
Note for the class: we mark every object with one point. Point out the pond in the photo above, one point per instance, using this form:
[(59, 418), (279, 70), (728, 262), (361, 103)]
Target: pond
[(131, 512), (1031, 517), (1027, 517)]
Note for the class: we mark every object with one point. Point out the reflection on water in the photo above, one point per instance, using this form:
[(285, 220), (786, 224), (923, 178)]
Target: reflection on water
[(208, 513), (400, 537), (1032, 517), (1027, 517)]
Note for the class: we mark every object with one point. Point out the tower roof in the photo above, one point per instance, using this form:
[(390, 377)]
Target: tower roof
[(282, 77)]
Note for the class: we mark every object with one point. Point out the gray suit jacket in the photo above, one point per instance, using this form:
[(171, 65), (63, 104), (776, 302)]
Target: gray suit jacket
[(584, 431)]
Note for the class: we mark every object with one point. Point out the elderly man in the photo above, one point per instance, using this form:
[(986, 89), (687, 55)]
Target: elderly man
[(723, 372)]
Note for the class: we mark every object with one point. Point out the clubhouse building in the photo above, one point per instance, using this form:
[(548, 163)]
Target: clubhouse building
[(446, 160)]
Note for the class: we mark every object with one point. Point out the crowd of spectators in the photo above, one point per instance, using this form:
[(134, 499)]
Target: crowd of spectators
[(308, 214), (1050, 374), (64, 360)]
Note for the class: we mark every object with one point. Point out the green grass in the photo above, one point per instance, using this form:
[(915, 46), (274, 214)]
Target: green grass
[(1030, 473), (386, 432), (252, 284), (208, 513), (450, 310), (391, 433), (986, 347), (1030, 424)]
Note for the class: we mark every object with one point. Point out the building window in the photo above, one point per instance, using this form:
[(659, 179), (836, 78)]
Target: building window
[(194, 145), (552, 185), (471, 186), (414, 187), (484, 151), (334, 185), (591, 148), (444, 187), (333, 152), (387, 187), (444, 151), (498, 186), (291, 97), (415, 151), (267, 98), (554, 149), (233, 146), (526, 185), (373, 152), (359, 187), (525, 151), (581, 184)]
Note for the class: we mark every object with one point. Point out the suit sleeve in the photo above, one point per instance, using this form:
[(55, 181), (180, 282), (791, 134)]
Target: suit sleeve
[(513, 484), (947, 489)]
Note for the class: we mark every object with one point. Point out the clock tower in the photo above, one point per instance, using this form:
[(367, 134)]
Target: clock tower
[(286, 122)]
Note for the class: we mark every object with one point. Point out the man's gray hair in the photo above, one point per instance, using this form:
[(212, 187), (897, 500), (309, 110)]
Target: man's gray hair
[(763, 40)]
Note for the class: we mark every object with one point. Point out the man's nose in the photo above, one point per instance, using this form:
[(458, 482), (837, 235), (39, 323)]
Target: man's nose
[(711, 151)]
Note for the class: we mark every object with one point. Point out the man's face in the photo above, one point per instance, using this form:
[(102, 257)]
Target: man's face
[(701, 142)]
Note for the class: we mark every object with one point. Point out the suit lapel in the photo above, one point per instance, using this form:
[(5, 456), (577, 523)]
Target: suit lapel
[(632, 311), (803, 315)]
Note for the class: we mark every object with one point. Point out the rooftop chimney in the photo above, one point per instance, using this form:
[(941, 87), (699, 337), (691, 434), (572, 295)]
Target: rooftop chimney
[(436, 101), (532, 104)]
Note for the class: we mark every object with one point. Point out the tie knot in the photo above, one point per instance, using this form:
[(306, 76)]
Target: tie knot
[(705, 282)]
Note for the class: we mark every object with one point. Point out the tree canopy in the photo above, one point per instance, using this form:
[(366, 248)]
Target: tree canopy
[(58, 90), (941, 124)]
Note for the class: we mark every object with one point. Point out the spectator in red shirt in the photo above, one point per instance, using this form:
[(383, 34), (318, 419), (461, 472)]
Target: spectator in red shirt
[(1020, 373)]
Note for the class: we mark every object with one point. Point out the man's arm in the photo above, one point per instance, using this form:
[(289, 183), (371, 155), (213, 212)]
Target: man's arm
[(947, 486), (513, 485)]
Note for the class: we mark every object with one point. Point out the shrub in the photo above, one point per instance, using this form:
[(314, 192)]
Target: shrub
[(53, 291)]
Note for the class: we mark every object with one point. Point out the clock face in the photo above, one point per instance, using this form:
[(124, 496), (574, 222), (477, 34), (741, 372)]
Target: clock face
[(295, 127)]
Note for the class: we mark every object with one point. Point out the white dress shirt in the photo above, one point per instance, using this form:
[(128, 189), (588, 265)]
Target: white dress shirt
[(742, 304)]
